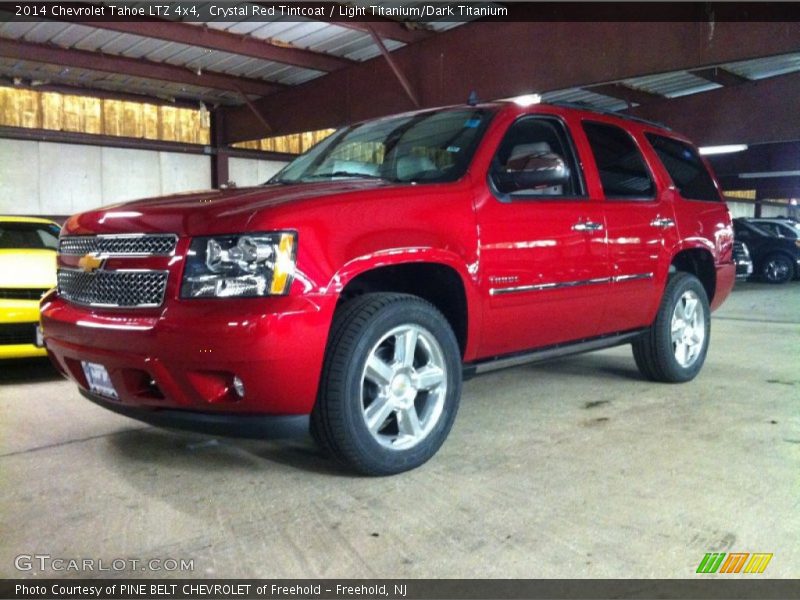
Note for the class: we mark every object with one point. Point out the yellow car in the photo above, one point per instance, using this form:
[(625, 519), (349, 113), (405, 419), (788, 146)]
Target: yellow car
[(27, 270)]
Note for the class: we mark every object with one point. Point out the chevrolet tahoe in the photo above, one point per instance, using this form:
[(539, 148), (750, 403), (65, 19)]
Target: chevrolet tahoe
[(354, 292)]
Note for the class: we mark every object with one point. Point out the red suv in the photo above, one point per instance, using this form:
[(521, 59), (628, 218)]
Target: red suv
[(361, 284)]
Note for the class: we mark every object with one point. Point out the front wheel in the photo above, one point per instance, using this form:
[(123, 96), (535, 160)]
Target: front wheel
[(674, 348), (777, 268), (391, 384)]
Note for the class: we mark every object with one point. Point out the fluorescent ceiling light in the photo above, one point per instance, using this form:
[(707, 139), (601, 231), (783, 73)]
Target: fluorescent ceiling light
[(767, 174), (708, 150), (527, 99)]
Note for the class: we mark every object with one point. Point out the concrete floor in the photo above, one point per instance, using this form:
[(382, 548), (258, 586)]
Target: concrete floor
[(575, 468)]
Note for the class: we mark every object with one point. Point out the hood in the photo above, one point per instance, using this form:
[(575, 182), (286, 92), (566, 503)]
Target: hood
[(207, 212), (24, 268)]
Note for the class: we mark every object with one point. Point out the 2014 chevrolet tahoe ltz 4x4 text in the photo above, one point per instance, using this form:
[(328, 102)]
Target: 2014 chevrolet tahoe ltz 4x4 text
[(366, 279)]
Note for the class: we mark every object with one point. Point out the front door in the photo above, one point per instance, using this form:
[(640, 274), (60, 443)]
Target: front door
[(542, 247)]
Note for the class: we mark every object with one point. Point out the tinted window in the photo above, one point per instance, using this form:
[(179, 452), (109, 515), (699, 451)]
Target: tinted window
[(789, 231), (623, 172), (28, 235), (535, 142), (684, 166), (779, 229), (772, 228), (749, 230)]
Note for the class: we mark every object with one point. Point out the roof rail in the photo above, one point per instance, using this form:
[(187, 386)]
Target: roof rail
[(602, 111)]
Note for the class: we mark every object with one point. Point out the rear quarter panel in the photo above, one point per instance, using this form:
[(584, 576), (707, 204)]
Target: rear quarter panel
[(701, 224)]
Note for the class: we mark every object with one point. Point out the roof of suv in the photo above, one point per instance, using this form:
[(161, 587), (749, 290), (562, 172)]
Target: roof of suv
[(511, 104)]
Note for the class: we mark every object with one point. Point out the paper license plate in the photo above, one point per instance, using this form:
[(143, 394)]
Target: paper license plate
[(98, 380)]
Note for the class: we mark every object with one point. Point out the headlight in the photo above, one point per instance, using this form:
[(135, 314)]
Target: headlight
[(240, 266)]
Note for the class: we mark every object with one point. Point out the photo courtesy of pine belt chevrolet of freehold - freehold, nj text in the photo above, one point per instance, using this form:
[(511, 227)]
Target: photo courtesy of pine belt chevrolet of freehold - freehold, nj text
[(354, 292)]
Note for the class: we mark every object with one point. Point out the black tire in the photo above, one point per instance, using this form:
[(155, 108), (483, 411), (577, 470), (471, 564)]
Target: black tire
[(655, 352), (338, 420), (777, 268)]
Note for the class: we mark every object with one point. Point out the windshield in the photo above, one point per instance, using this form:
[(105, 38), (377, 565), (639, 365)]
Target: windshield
[(782, 228), (429, 147), (40, 236)]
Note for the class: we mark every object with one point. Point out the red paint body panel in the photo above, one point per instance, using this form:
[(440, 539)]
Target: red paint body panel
[(192, 348), (275, 345)]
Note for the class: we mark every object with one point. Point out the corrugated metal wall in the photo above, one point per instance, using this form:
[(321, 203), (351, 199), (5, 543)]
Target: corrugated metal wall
[(83, 114), (293, 144), (33, 109)]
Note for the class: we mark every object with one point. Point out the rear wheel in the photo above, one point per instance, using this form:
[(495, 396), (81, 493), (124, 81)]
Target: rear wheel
[(674, 349), (777, 268), (391, 384)]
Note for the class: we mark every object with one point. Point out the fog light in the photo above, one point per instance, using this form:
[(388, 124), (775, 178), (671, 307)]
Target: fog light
[(238, 386)]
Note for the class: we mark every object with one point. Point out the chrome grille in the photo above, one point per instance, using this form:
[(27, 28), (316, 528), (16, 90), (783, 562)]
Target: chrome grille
[(740, 251), (137, 244), (122, 289)]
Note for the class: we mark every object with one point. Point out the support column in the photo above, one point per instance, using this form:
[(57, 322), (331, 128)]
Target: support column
[(219, 156)]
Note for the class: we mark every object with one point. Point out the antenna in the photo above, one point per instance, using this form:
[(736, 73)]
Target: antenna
[(473, 98)]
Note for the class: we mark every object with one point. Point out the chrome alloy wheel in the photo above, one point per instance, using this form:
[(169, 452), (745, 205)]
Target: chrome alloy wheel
[(777, 270), (688, 329), (403, 387)]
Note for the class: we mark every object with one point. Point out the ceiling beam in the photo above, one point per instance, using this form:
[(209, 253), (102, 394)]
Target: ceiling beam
[(504, 59), (781, 157), (93, 139), (751, 113), (779, 187), (267, 128), (625, 93), (133, 67), (398, 73), (214, 39), (720, 76)]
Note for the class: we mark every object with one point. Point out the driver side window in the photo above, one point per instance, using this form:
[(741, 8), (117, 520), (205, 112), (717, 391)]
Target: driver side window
[(536, 160)]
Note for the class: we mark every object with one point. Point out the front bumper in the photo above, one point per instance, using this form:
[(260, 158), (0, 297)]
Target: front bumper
[(184, 355), (744, 268), (18, 321), (243, 426)]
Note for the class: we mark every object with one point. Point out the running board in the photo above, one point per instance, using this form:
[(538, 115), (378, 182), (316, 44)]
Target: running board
[(548, 352)]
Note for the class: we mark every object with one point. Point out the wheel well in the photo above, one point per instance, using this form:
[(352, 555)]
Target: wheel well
[(438, 284), (774, 253), (699, 263)]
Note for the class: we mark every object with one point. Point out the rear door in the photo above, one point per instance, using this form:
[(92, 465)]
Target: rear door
[(641, 226), (542, 249)]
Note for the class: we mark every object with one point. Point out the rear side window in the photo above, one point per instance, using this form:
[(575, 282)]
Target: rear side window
[(684, 166), (623, 172)]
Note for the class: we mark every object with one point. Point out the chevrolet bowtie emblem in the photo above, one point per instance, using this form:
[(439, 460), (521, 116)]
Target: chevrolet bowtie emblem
[(90, 263)]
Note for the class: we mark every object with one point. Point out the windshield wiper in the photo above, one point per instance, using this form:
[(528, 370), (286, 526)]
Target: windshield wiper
[(343, 174)]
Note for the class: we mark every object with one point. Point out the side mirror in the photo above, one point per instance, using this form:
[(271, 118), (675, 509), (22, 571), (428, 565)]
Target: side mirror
[(542, 169)]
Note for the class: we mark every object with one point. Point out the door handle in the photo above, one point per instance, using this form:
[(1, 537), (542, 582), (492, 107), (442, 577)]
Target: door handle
[(587, 226), (662, 223)]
